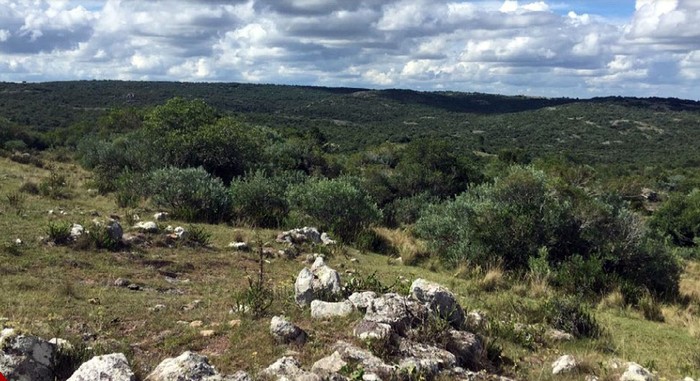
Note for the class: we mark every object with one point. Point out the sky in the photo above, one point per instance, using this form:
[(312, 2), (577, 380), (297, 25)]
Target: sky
[(558, 48)]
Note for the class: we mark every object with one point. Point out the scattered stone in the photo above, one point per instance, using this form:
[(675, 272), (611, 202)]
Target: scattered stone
[(636, 372), (329, 365), (365, 330), (300, 235), (134, 287), (196, 324), (112, 367), (239, 376), (18, 242), (326, 240), (192, 305), (325, 310), (160, 216), (288, 368), (147, 227), (187, 366), (207, 332), (364, 358), (361, 300), (476, 319), (426, 359), (592, 377), (556, 335), (687, 378), (25, 357), (135, 238), (76, 231), (438, 299), (62, 345), (122, 282), (157, 307), (114, 230), (234, 323), (564, 364), (239, 246), (319, 282), (285, 332)]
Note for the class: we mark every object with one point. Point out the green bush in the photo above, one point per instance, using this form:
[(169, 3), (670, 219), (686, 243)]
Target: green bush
[(259, 199), (570, 315), (59, 232), (591, 245), (338, 205), (679, 218), (191, 194)]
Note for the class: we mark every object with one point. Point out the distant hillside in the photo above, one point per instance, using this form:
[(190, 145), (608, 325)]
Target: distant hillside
[(600, 130)]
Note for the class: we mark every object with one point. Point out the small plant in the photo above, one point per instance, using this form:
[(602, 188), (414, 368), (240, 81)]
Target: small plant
[(29, 187), (197, 237), (55, 186), (650, 307), (570, 315), (59, 232), (15, 200), (258, 297), (357, 283)]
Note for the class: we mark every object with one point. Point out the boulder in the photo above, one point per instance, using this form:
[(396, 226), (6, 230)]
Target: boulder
[(467, 348), (564, 364), (147, 227), (160, 216), (320, 282), (300, 235), (325, 310), (426, 359), (636, 372), (364, 358), (288, 368), (438, 299), (326, 240), (25, 357), (114, 230), (113, 367), (188, 366), (329, 365), (400, 312), (370, 330), (285, 332), (361, 300), (180, 233)]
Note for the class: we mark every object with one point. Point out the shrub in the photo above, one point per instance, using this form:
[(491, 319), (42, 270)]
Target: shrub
[(407, 210), (59, 232), (55, 186), (338, 205), (679, 218), (191, 194), (570, 315), (259, 200)]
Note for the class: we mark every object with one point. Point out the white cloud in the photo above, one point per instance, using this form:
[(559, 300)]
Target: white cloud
[(495, 46)]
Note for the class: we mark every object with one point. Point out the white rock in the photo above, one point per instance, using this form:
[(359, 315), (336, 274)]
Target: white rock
[(285, 332), (239, 246), (438, 299), (326, 240), (325, 310), (361, 300), (564, 364), (147, 227), (180, 232), (636, 372), (315, 283), (329, 365), (160, 216), (288, 368), (18, 241), (187, 366), (76, 231), (61, 344), (113, 367)]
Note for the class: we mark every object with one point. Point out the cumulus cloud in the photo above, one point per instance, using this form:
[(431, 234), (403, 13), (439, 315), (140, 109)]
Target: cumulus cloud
[(516, 47)]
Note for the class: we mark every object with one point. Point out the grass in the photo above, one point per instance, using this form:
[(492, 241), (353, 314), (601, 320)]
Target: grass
[(59, 291)]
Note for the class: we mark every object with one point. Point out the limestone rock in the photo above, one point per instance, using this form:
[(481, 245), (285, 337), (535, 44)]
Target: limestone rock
[(239, 246), (564, 364), (76, 231), (364, 358), (147, 227), (285, 332), (438, 299), (290, 368), (636, 372), (329, 365), (467, 348), (113, 367), (25, 357), (188, 366), (427, 358), (361, 300), (400, 312), (160, 216), (325, 310), (319, 282), (366, 330), (556, 335)]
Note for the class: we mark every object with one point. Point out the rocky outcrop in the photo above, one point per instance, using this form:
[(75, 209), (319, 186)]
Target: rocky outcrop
[(438, 300), (113, 367), (188, 366), (326, 310), (284, 332), (636, 372), (319, 282), (397, 311), (288, 368), (24, 357), (564, 364), (361, 300)]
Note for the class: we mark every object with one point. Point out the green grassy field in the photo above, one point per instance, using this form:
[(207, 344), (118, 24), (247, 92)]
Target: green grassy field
[(58, 291)]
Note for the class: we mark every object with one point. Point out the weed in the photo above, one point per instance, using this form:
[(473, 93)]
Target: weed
[(15, 200), (357, 283), (29, 187), (258, 297), (197, 237), (493, 280), (59, 232), (650, 307), (570, 315), (101, 238), (55, 186)]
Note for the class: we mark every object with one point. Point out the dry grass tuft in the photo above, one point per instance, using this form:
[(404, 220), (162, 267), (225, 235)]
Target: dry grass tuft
[(411, 250), (493, 280), (613, 300)]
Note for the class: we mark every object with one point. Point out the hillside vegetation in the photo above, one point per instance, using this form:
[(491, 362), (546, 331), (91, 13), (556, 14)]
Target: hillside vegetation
[(576, 215)]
